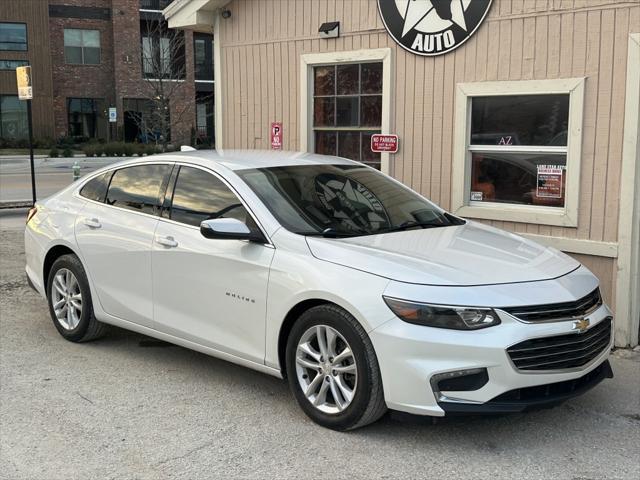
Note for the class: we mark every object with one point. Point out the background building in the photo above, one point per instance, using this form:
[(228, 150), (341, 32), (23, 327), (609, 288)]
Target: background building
[(529, 122), (89, 55)]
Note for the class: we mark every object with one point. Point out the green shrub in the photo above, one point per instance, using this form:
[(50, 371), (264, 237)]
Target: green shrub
[(54, 153), (128, 149), (110, 149), (67, 152), (150, 149)]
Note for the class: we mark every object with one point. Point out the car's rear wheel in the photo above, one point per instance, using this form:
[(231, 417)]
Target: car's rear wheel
[(333, 370), (70, 303)]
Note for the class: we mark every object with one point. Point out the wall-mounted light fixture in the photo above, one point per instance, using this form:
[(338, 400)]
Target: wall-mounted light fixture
[(329, 30), (226, 13)]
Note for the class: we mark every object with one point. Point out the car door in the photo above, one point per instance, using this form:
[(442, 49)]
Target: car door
[(209, 291), (115, 231)]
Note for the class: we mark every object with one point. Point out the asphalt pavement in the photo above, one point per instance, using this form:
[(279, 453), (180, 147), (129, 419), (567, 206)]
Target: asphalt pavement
[(129, 407), (52, 174)]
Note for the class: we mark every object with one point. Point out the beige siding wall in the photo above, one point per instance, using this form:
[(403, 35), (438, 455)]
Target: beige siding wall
[(262, 42)]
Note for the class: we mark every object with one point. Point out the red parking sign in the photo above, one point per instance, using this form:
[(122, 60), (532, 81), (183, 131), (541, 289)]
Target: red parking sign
[(276, 136), (384, 143)]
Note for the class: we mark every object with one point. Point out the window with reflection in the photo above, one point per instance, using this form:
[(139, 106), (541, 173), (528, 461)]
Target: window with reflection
[(199, 196), (81, 47), (137, 188), (518, 149), (347, 110), (13, 117), (13, 36)]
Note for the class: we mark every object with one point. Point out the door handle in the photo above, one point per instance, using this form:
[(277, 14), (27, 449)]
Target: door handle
[(166, 241), (92, 222)]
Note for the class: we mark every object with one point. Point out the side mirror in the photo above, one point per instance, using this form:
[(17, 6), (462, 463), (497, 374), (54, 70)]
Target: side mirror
[(229, 229)]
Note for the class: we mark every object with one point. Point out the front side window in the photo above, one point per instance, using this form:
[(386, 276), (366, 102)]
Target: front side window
[(347, 110), (518, 149), (137, 188), (13, 117), (341, 200), (199, 196), (82, 46), (13, 36)]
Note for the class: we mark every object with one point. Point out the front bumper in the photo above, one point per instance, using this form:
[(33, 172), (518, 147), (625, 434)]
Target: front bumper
[(410, 355), (532, 398)]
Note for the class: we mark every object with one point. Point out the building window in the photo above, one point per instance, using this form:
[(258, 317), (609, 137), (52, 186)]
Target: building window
[(205, 119), (154, 5), (518, 151), (347, 110), (86, 118), (203, 56), (13, 118), (346, 97), (163, 52), (13, 36), (12, 64), (82, 47), (143, 122)]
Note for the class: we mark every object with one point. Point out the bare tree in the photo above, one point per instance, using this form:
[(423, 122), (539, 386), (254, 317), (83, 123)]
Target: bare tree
[(163, 71)]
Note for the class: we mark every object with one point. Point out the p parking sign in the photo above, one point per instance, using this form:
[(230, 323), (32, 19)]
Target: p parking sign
[(23, 77)]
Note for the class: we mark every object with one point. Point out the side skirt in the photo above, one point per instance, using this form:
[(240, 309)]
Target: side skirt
[(111, 320)]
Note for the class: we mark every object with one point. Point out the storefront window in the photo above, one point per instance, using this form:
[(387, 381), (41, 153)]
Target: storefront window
[(86, 118), (518, 149), (347, 110), (13, 117)]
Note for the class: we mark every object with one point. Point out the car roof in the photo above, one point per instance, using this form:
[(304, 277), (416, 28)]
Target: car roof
[(247, 159)]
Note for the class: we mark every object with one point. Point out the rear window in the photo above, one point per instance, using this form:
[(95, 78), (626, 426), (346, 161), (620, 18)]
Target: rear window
[(137, 188), (96, 188)]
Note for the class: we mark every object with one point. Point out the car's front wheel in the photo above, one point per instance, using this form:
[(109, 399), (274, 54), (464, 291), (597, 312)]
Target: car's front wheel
[(333, 370), (70, 303)]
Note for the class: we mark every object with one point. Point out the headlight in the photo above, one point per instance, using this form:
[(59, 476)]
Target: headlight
[(439, 316)]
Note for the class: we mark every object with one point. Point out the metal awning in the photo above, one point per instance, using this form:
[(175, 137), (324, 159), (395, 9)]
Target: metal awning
[(195, 15)]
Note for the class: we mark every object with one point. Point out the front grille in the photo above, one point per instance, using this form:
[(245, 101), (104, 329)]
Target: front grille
[(562, 351), (558, 311)]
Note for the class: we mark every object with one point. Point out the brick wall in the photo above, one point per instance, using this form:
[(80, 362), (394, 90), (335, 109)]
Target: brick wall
[(119, 74), (80, 81)]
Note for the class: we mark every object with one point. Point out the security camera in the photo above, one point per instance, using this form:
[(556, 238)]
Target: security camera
[(226, 13)]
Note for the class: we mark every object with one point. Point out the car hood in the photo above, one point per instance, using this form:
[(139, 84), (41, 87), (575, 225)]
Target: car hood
[(465, 255)]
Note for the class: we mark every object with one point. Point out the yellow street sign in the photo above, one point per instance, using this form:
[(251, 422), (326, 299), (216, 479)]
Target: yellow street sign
[(25, 89)]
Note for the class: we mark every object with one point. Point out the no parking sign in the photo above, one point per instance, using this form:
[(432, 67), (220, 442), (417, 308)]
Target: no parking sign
[(276, 136)]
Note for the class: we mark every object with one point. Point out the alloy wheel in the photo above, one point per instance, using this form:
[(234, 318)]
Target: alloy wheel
[(326, 369), (66, 299)]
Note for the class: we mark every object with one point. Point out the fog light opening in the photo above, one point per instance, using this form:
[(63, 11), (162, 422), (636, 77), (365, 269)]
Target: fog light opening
[(459, 381)]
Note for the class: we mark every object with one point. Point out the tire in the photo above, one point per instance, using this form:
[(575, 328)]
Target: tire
[(79, 328), (366, 404)]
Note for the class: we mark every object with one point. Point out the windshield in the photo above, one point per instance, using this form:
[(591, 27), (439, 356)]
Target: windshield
[(341, 200)]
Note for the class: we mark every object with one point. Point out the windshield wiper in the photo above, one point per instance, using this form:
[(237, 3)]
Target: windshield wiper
[(333, 233), (408, 225)]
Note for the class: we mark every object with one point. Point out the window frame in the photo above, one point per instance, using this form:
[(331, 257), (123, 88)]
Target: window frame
[(310, 60), (82, 47), (566, 216), (26, 38)]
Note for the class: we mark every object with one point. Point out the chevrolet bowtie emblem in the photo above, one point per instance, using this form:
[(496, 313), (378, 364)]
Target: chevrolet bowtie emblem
[(581, 325)]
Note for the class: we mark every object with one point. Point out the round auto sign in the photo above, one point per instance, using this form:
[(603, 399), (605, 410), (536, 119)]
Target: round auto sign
[(432, 27)]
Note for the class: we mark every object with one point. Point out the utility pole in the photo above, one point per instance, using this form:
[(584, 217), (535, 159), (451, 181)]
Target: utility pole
[(25, 92)]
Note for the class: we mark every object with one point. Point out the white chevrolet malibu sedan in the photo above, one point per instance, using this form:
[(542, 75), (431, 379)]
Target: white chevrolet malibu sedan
[(363, 294)]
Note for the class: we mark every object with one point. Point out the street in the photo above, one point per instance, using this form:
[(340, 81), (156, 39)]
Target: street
[(130, 407), (52, 174)]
